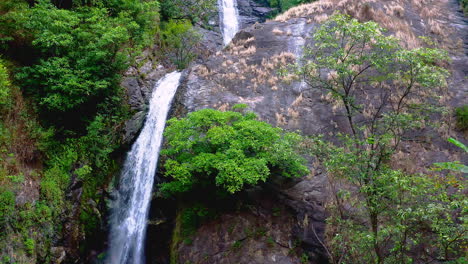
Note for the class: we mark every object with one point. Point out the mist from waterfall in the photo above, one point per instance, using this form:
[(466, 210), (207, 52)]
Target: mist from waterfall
[(129, 217), (229, 19)]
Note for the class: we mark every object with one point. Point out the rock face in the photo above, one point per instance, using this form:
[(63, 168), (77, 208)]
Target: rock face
[(247, 72), (260, 232), (139, 80), (243, 238), (138, 84), (251, 12)]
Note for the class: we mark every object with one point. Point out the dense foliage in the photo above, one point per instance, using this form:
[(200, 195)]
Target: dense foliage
[(81, 53), (385, 92), (230, 150), (67, 58), (196, 11)]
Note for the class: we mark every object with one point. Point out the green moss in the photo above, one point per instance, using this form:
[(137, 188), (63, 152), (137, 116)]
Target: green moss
[(176, 239)]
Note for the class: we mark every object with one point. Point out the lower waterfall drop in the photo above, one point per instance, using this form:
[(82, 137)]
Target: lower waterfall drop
[(129, 216)]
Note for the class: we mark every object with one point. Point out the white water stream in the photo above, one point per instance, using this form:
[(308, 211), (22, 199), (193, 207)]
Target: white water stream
[(229, 19), (129, 218)]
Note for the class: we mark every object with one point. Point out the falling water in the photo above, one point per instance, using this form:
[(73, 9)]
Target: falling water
[(296, 46), (229, 21), (128, 224)]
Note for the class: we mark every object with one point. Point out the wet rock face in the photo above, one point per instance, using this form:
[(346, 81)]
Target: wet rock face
[(138, 84)]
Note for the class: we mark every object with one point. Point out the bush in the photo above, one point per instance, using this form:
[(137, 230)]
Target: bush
[(229, 150), (461, 114), (7, 207), (4, 84), (464, 6), (378, 214), (180, 41), (30, 245), (193, 10)]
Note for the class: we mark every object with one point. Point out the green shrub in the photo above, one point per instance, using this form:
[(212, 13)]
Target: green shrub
[(193, 10), (464, 6), (192, 217), (4, 84), (30, 245), (230, 150), (7, 207), (180, 42), (461, 114)]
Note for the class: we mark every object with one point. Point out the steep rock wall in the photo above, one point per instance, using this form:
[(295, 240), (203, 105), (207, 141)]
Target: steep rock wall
[(247, 72)]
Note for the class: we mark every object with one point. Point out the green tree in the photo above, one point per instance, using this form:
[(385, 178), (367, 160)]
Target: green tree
[(180, 41), (394, 214), (384, 91), (195, 11), (230, 150)]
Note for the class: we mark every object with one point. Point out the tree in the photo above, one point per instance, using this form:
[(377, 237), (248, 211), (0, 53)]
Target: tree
[(80, 56), (229, 150), (195, 11), (389, 216), (384, 91), (180, 41)]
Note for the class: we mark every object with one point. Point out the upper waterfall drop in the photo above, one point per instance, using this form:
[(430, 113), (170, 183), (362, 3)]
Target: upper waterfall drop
[(229, 19), (128, 221)]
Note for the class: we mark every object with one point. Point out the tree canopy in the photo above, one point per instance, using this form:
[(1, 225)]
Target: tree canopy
[(231, 150)]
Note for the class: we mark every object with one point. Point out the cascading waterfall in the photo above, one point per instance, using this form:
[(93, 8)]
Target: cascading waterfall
[(296, 46), (229, 19), (128, 226)]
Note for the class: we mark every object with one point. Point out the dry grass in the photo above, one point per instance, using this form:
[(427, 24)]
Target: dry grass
[(391, 15), (277, 31), (395, 9)]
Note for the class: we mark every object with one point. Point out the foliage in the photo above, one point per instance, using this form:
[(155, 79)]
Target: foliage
[(7, 207), (464, 6), (227, 149), (384, 91), (367, 73), (11, 19), (195, 11), (461, 114), (4, 84), (393, 213), (454, 166), (83, 52), (192, 217), (73, 76), (180, 40)]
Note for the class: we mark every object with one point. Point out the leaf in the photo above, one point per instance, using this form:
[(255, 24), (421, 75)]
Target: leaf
[(458, 144)]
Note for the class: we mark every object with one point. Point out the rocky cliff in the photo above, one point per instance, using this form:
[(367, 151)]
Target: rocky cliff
[(247, 71)]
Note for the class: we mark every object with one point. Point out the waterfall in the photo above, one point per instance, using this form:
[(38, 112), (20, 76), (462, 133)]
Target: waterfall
[(296, 45), (128, 221), (229, 19)]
